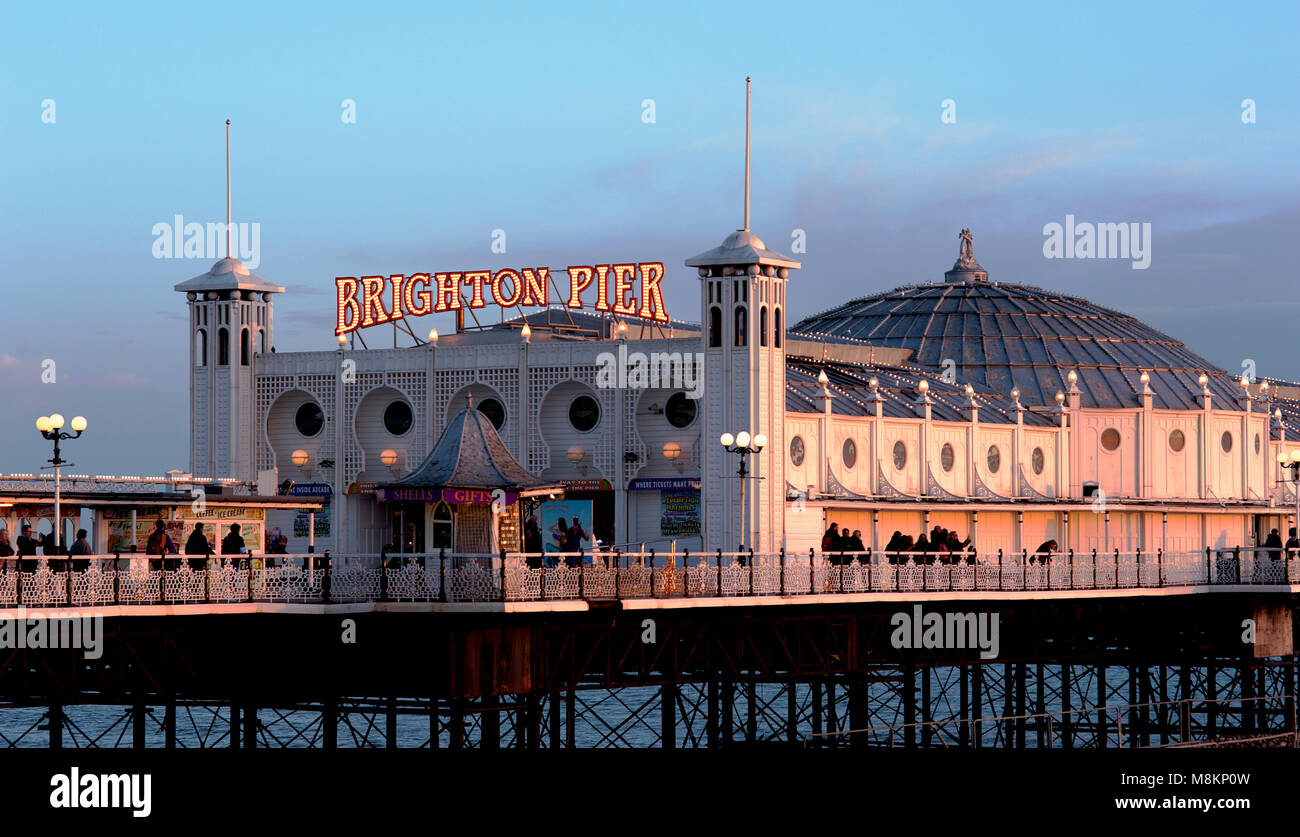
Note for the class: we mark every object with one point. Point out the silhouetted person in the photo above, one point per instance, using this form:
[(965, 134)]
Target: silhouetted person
[(197, 544), (233, 542), (6, 548), (27, 546), (1292, 542), (1045, 550), (923, 546)]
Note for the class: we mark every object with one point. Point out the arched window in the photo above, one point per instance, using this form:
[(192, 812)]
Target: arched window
[(243, 347), (776, 327), (715, 327), (442, 526), (223, 347), (200, 348), (762, 326), (742, 326), (261, 341)]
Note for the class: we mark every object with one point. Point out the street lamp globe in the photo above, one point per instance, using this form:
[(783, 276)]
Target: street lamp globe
[(79, 423), (388, 457), (760, 441), (742, 438), (300, 457), (727, 440), (43, 424), (56, 422), (1295, 456)]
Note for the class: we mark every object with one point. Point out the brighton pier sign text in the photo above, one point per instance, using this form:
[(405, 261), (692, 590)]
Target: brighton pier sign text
[(361, 302)]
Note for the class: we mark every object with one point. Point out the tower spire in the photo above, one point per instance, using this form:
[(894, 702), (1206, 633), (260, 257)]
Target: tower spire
[(227, 188), (747, 80)]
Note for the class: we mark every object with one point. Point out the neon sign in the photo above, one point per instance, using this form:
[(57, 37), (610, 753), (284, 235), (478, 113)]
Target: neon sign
[(361, 302)]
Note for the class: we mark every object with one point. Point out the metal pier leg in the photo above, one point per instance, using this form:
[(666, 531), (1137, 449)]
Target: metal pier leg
[(1067, 721), (169, 723), (1164, 705), (816, 686), (1134, 733), (963, 710), (832, 713), (329, 721), (55, 716), (1247, 676), (533, 718), (1144, 695), (490, 723), (553, 703), (711, 721), (234, 725), (137, 724), (668, 716), (751, 712), (457, 735), (857, 710), (977, 707), (791, 711), (1040, 708), (1020, 705), (390, 723), (570, 719), (926, 714), (1212, 701), (1103, 719), (728, 713), (909, 704), (1008, 693), (434, 730), (250, 726)]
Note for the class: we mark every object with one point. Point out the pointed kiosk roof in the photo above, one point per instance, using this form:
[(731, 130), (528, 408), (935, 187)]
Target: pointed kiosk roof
[(229, 274), (470, 454)]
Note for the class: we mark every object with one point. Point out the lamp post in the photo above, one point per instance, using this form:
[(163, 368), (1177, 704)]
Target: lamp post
[(51, 427), (1292, 463), (743, 445)]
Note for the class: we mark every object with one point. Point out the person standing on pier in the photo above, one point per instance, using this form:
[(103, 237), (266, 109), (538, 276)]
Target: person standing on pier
[(160, 544), (7, 550), (233, 542), (27, 547), (197, 544)]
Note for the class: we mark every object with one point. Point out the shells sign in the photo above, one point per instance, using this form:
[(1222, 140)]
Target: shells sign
[(361, 301)]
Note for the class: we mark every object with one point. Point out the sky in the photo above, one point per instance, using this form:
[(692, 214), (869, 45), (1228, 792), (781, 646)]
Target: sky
[(396, 138)]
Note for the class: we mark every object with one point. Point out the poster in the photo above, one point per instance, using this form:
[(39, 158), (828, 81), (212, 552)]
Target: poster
[(680, 512), (548, 518)]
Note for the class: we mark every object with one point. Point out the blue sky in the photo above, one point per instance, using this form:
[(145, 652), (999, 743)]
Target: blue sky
[(528, 118)]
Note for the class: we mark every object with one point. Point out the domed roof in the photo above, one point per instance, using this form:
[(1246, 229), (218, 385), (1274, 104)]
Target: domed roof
[(741, 248), (1003, 335), (229, 274)]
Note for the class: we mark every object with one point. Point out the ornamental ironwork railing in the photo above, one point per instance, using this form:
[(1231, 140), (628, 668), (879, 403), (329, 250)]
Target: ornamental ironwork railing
[(54, 581)]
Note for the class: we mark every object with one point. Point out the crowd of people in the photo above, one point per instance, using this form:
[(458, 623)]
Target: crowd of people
[(941, 545)]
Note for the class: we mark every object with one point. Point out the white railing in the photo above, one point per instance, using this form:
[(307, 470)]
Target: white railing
[(137, 579)]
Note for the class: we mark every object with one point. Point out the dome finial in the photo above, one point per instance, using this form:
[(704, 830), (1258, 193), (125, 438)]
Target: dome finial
[(966, 269)]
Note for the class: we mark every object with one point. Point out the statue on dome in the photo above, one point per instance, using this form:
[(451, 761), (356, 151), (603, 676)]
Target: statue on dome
[(967, 256)]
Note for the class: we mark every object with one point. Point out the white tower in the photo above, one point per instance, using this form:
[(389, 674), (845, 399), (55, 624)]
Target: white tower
[(230, 324), (742, 296)]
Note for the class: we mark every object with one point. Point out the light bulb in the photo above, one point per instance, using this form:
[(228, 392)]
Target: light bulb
[(727, 440), (56, 422), (760, 441), (79, 423), (742, 438)]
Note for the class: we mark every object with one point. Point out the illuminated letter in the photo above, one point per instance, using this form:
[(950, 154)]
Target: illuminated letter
[(535, 286), (602, 290), (652, 298), (398, 313), (579, 279), (516, 288), (372, 306), (347, 287), (409, 296), (448, 289), (475, 279), (623, 274)]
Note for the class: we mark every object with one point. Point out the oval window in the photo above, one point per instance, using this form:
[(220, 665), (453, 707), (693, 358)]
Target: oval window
[(796, 450), (947, 457), (494, 410), (1257, 443), (1110, 438), (900, 455), (850, 453), (1225, 441), (309, 419), (680, 410), (584, 413), (1177, 441), (1036, 460), (397, 418), (995, 459)]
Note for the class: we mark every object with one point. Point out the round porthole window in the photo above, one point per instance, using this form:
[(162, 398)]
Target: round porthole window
[(947, 457), (1110, 438), (309, 419), (397, 418), (796, 450), (900, 455), (850, 453), (680, 410), (1036, 460), (995, 459), (494, 410), (584, 413), (1177, 441)]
